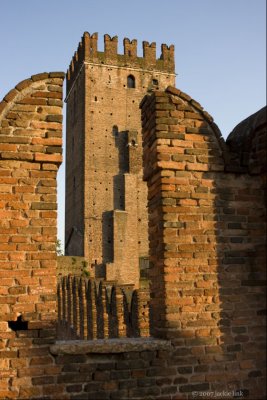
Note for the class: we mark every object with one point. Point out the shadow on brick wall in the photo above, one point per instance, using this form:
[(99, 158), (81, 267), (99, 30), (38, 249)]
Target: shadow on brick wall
[(207, 247)]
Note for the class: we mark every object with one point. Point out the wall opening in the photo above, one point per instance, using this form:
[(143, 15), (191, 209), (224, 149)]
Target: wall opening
[(18, 325), (130, 82)]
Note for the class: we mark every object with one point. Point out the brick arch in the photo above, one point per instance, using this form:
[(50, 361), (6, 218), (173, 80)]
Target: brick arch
[(30, 154), (204, 216), (28, 112), (194, 106), (25, 86)]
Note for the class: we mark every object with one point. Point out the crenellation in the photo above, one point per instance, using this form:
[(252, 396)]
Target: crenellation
[(111, 47), (149, 53), (167, 55), (130, 48), (87, 310), (88, 52)]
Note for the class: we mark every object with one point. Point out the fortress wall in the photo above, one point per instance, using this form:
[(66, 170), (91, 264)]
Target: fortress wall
[(207, 251), (207, 234), (30, 155)]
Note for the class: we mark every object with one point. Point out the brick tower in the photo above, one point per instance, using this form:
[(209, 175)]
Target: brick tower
[(106, 197)]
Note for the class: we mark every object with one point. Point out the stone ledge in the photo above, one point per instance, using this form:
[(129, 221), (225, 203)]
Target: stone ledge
[(108, 346)]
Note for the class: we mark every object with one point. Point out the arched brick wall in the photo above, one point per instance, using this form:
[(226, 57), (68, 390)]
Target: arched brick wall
[(30, 154), (207, 234), (207, 251)]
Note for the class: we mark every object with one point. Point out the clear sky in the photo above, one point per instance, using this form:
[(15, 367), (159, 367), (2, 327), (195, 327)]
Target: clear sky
[(220, 47)]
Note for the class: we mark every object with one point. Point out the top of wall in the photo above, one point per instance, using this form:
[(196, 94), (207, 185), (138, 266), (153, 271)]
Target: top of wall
[(248, 142), (247, 128), (243, 152), (88, 52)]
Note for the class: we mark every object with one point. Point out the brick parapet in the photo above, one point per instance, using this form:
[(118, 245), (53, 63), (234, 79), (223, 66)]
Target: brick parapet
[(88, 52), (30, 154), (91, 310), (247, 144), (207, 244)]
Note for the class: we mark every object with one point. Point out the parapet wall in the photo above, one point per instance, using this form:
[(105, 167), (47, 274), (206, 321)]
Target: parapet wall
[(30, 155), (207, 235), (88, 52), (87, 310)]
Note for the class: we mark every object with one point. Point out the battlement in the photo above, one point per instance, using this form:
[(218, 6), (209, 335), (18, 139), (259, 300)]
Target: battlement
[(88, 52)]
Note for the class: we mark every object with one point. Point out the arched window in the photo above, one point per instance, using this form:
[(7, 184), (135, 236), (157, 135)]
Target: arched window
[(130, 82)]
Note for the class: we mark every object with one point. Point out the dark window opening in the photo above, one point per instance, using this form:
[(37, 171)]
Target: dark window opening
[(18, 325), (131, 82), (115, 130)]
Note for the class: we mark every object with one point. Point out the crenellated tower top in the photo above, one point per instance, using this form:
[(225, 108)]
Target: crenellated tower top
[(87, 52)]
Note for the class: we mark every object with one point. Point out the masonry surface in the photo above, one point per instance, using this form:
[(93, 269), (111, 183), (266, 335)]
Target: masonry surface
[(106, 206), (207, 252)]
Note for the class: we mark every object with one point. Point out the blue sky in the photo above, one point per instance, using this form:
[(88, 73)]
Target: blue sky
[(220, 47)]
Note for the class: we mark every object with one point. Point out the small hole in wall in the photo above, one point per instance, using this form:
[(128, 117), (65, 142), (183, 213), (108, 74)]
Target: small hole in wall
[(18, 325)]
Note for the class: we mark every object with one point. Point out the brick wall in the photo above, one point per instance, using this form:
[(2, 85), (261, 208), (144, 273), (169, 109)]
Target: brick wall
[(207, 233), (207, 250), (30, 145)]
